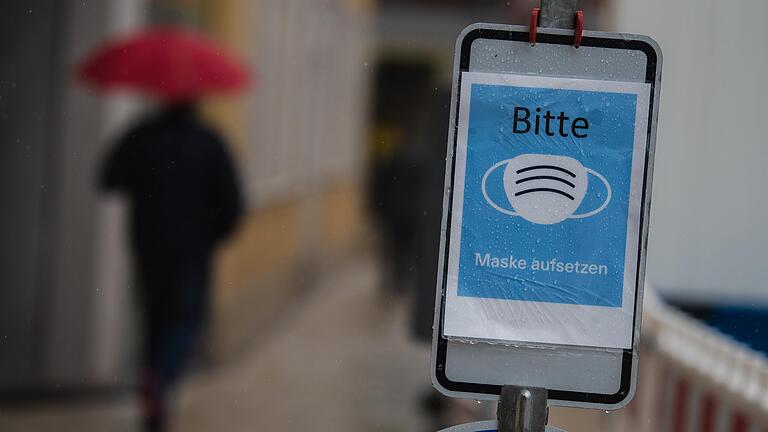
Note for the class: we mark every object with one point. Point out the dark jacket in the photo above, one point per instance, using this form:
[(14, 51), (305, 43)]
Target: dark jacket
[(181, 183)]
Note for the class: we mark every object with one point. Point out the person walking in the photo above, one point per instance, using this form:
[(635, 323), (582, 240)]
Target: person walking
[(182, 187), (185, 200)]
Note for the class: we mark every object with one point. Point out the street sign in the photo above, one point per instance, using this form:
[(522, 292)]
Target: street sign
[(546, 214)]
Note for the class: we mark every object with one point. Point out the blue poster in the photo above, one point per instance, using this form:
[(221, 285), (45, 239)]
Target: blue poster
[(548, 184)]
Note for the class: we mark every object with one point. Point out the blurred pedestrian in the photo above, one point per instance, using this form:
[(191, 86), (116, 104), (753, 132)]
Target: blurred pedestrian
[(431, 163), (402, 97), (182, 187), (184, 200), (394, 190)]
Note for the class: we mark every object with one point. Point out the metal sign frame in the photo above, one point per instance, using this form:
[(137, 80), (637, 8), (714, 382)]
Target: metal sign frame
[(462, 62)]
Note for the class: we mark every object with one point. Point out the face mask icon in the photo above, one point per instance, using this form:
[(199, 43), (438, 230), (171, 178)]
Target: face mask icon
[(545, 189)]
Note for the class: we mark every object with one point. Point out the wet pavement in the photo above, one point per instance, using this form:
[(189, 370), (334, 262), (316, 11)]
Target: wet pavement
[(340, 359)]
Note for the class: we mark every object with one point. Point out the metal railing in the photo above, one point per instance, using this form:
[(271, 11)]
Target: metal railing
[(693, 378)]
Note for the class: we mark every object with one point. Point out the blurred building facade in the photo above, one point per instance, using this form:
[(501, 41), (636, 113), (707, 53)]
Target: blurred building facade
[(66, 306), (711, 148), (58, 287)]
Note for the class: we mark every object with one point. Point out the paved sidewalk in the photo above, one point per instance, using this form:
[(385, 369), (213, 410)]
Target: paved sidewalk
[(340, 360)]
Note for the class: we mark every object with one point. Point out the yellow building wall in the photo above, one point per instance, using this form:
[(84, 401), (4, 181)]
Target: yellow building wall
[(262, 270)]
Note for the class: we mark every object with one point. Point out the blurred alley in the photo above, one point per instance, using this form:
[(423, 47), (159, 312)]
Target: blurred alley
[(320, 307)]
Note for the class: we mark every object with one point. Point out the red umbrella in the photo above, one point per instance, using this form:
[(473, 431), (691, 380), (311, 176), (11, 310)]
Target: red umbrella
[(172, 63)]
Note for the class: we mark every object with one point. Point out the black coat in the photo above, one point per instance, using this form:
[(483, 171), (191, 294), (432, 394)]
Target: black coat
[(181, 183)]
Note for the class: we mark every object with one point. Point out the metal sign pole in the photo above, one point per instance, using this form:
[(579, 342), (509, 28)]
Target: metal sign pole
[(524, 409), (557, 14)]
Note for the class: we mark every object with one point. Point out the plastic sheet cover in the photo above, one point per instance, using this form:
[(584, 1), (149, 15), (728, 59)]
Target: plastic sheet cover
[(545, 216)]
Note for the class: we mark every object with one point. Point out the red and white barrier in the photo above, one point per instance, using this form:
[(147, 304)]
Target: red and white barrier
[(694, 379)]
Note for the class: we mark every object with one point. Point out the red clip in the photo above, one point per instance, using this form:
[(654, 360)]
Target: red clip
[(534, 24), (579, 28), (576, 36)]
